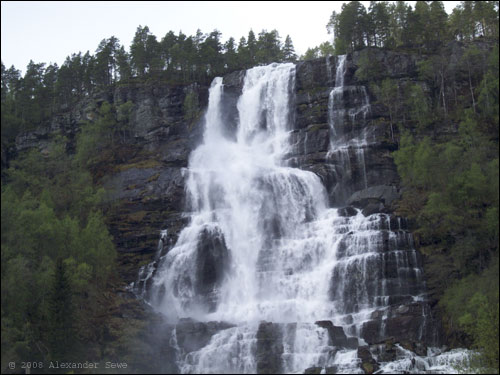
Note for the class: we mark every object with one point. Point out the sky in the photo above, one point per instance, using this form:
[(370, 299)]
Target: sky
[(48, 31)]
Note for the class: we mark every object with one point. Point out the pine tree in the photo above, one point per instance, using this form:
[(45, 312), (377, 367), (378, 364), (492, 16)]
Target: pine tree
[(349, 27), (311, 53), (378, 23), (211, 53), (106, 64), (138, 50), (252, 48), (230, 55), (123, 64), (61, 313), (268, 47), (288, 50), (243, 53), (326, 49)]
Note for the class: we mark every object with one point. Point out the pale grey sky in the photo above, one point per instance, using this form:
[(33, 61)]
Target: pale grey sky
[(48, 31)]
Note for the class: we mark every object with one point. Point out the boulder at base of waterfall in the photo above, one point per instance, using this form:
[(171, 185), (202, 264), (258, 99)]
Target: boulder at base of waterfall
[(386, 351), (368, 363), (416, 347)]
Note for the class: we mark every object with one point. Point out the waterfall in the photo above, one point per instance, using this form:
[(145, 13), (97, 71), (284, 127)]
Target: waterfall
[(263, 250), (242, 195), (346, 141)]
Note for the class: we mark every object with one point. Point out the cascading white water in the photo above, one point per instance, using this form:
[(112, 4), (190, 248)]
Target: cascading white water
[(279, 256), (343, 145), (263, 235), (238, 187)]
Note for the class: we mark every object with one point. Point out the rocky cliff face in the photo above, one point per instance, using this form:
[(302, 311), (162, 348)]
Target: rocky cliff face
[(146, 192), (148, 188)]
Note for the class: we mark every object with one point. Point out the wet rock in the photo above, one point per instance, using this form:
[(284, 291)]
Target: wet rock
[(347, 211), (233, 85), (385, 352), (269, 348), (337, 336), (368, 363), (311, 74), (411, 322), (192, 335), (313, 370), (211, 264), (316, 140), (416, 347), (373, 208), (234, 81), (380, 193)]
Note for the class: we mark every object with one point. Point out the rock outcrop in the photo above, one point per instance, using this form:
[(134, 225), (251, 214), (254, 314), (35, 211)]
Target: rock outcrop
[(192, 335), (337, 335), (211, 263), (269, 348)]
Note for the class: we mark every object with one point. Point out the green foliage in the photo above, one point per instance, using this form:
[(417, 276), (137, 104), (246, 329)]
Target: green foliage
[(461, 201), (369, 68), (98, 140), (323, 50), (426, 28), (143, 50), (349, 26), (123, 119), (419, 108), (61, 334), (269, 47), (451, 191), (488, 96), (472, 304), (378, 23), (100, 252), (231, 61), (105, 68), (56, 254), (311, 53), (471, 19), (415, 161), (289, 50), (326, 49), (388, 95)]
